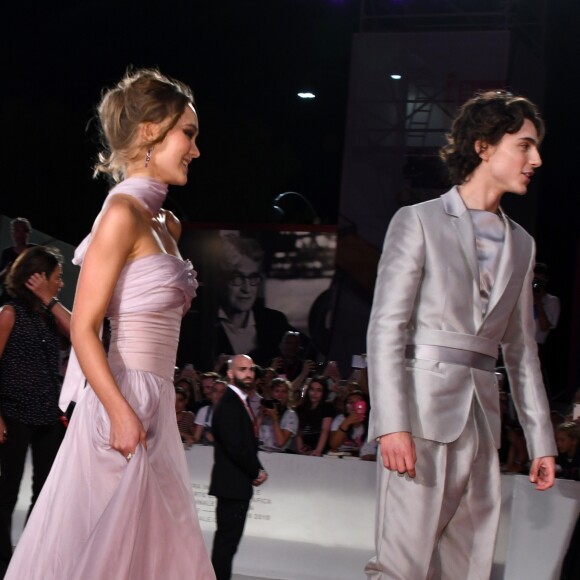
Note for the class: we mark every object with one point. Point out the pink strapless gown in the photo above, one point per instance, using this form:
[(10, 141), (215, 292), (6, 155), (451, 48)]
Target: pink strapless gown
[(100, 517)]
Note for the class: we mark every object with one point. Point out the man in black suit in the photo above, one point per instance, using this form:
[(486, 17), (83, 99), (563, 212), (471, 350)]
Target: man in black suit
[(236, 465)]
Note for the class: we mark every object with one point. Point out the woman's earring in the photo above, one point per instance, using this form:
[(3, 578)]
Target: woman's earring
[(148, 156)]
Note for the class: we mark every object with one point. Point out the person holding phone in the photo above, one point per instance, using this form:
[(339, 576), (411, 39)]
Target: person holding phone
[(348, 430), (277, 423)]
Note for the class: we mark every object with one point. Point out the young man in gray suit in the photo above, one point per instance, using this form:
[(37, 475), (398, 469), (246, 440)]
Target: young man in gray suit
[(454, 284)]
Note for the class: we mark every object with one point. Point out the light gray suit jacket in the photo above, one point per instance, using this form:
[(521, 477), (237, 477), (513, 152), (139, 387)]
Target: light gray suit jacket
[(427, 292)]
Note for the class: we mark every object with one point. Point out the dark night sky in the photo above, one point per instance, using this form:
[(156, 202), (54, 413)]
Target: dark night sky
[(245, 60)]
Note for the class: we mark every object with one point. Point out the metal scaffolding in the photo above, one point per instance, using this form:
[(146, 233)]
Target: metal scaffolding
[(525, 18), (411, 120), (412, 64)]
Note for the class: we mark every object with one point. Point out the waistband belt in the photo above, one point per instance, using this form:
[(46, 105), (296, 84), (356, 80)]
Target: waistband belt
[(455, 356)]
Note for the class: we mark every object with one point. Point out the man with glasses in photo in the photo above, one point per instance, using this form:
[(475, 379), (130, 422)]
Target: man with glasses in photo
[(244, 324)]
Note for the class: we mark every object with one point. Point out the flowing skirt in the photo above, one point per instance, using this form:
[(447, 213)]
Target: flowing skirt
[(101, 517)]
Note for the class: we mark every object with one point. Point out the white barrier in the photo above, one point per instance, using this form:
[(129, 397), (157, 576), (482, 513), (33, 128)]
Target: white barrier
[(313, 520)]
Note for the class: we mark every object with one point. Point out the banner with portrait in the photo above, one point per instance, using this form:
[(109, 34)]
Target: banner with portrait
[(255, 285)]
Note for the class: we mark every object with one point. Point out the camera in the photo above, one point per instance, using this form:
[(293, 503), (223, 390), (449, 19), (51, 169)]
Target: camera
[(317, 370), (538, 285), (259, 372), (271, 404)]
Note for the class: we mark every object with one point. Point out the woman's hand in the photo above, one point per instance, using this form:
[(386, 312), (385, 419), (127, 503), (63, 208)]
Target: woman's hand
[(272, 413), (127, 432), (38, 285), (352, 418)]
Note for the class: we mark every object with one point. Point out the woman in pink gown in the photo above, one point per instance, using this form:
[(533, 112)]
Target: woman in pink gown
[(118, 504)]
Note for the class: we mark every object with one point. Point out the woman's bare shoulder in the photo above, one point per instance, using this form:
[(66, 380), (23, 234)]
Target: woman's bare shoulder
[(118, 227), (120, 211), (124, 204), (7, 316)]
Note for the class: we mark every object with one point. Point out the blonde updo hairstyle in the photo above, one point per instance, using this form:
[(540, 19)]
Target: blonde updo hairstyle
[(142, 96)]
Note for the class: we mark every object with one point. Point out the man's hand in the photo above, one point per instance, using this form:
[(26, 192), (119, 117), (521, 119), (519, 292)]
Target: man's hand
[(543, 472), (262, 477), (398, 452)]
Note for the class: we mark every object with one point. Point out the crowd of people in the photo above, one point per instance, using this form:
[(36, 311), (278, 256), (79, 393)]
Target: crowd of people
[(318, 413), (325, 414), (122, 455)]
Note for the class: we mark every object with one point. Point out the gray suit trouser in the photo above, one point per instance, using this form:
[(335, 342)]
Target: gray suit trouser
[(442, 524)]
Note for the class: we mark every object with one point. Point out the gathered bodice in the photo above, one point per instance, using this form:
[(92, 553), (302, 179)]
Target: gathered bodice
[(151, 295), (153, 283)]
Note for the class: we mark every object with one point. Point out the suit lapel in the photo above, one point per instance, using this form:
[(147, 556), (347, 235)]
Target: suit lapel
[(243, 409), (464, 231), (463, 226), (505, 268)]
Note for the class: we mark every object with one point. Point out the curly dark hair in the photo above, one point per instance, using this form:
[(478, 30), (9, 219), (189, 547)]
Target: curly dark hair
[(35, 260), (486, 117)]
